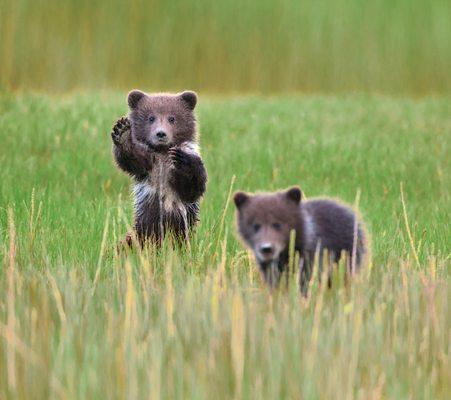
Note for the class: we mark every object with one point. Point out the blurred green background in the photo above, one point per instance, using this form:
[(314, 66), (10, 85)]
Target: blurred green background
[(383, 46)]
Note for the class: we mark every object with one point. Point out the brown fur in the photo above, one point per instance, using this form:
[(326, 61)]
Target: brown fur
[(266, 220), (163, 107), (157, 145)]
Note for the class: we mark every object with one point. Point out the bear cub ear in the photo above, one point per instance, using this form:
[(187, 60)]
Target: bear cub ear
[(239, 198), (190, 98), (294, 194), (133, 98)]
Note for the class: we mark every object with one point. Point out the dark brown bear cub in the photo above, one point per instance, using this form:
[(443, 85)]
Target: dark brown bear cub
[(321, 226), (156, 144)]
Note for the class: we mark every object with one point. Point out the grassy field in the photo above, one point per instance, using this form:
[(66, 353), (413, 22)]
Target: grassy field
[(389, 46), (76, 321)]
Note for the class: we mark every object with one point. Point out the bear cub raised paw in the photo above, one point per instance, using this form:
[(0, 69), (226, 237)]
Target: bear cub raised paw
[(156, 144), (321, 226)]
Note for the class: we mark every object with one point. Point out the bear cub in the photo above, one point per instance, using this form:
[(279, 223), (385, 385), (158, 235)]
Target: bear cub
[(156, 144), (322, 226)]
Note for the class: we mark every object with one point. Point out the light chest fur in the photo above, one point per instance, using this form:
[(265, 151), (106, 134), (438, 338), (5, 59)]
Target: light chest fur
[(156, 187), (309, 229)]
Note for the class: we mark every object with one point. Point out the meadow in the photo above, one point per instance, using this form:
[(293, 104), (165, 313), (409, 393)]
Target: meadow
[(79, 321), (231, 46)]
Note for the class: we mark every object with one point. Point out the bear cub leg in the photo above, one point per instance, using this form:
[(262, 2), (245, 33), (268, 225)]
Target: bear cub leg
[(131, 156)]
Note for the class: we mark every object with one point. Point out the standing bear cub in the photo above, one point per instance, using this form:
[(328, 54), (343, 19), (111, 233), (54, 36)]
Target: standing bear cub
[(156, 144), (322, 226)]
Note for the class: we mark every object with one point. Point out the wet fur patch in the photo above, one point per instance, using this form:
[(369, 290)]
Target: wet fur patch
[(155, 191), (157, 184)]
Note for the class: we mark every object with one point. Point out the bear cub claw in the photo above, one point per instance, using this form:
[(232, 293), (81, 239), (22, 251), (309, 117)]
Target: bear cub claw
[(179, 159), (121, 131)]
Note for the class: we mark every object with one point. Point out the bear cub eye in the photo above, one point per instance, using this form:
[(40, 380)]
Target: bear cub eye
[(256, 227), (171, 120), (151, 119), (277, 226)]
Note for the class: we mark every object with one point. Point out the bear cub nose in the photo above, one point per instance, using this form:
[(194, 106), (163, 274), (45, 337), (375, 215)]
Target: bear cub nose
[(161, 134), (266, 248)]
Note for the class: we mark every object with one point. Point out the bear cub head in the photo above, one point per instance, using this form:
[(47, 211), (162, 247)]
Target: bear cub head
[(161, 121), (266, 220)]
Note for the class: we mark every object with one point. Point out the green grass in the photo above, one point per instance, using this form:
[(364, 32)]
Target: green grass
[(78, 322), (389, 46)]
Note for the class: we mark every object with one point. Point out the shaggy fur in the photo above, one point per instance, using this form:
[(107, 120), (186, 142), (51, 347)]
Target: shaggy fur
[(266, 220), (156, 144)]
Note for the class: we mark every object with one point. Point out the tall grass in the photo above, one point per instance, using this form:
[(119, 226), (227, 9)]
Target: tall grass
[(399, 46), (78, 321), (137, 333)]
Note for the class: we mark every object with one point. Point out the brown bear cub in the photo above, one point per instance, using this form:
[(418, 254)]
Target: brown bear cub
[(322, 226), (156, 144)]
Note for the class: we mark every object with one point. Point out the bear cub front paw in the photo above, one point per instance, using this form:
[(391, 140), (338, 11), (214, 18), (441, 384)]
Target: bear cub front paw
[(121, 131), (180, 160)]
